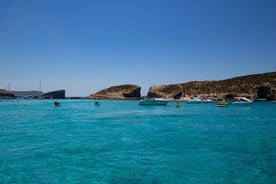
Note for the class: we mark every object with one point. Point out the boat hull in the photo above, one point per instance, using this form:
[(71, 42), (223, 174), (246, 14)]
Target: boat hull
[(194, 101)]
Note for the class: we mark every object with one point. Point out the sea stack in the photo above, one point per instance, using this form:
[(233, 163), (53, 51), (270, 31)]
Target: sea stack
[(121, 92), (59, 94)]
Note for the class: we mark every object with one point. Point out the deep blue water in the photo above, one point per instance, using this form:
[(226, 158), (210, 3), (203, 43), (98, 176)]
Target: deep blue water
[(122, 142)]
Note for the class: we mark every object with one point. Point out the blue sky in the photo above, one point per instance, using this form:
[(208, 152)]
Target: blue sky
[(85, 46)]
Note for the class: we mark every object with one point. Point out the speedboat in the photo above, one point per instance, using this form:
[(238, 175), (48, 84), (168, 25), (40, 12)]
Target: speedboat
[(242, 101), (194, 101), (207, 101), (153, 101)]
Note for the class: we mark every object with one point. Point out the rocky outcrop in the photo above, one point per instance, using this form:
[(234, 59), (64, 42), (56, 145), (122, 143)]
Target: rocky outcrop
[(59, 94), (6, 94), (252, 86), (121, 92)]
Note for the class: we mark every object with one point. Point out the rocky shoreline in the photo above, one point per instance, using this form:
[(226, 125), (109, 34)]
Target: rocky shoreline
[(253, 86), (250, 86)]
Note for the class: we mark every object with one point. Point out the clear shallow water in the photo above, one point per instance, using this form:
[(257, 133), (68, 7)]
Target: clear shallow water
[(122, 142)]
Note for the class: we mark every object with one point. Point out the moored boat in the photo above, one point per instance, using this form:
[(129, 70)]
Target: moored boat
[(56, 104), (194, 101), (30, 97), (97, 103), (207, 101), (242, 101), (222, 104)]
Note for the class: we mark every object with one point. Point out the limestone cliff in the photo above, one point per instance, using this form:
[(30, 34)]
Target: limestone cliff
[(120, 92), (6, 94), (253, 86), (59, 94)]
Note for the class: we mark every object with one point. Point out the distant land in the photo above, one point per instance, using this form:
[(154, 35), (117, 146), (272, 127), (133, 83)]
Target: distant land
[(58, 94), (251, 86), (26, 93)]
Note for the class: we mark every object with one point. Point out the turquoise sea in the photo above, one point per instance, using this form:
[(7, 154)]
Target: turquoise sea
[(122, 142)]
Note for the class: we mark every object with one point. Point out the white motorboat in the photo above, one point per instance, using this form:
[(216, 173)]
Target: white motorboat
[(207, 101), (194, 101), (153, 101), (242, 101)]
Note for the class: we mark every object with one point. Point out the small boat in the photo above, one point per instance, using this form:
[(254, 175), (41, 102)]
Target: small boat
[(194, 101), (207, 101), (56, 103), (242, 101), (153, 101), (97, 103), (30, 97), (177, 104), (222, 104)]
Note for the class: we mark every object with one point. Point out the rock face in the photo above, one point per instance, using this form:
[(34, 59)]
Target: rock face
[(252, 86), (6, 94), (121, 92), (59, 94)]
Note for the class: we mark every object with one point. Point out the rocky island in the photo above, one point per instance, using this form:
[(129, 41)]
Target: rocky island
[(6, 94), (59, 94), (251, 86), (121, 92)]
